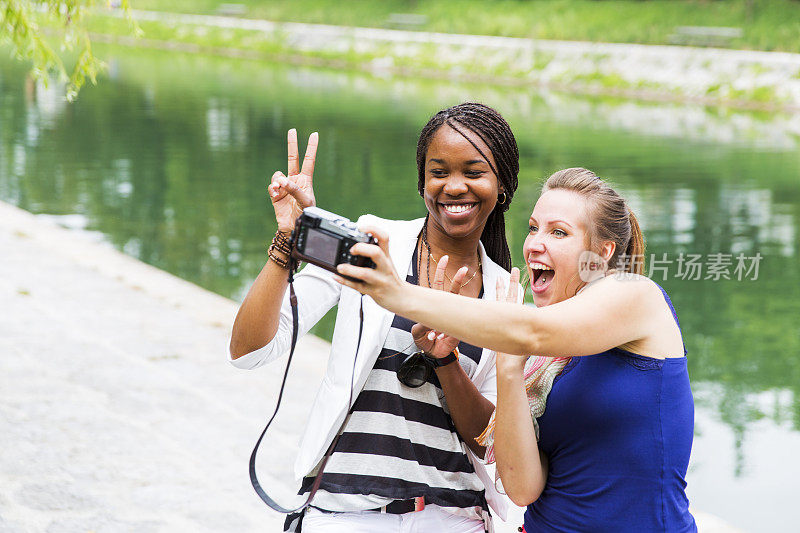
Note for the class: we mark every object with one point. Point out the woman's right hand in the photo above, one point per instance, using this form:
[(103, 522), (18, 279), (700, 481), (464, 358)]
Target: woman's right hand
[(293, 192), (432, 342)]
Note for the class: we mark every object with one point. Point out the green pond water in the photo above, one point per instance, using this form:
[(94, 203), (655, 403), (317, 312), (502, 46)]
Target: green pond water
[(168, 157)]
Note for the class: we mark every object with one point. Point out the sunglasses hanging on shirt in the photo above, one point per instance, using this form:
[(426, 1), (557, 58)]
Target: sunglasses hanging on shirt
[(417, 368)]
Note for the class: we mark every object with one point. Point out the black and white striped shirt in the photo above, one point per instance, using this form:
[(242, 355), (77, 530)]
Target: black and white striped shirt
[(399, 442)]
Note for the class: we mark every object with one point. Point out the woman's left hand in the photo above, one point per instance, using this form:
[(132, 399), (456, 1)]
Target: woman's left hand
[(382, 282)]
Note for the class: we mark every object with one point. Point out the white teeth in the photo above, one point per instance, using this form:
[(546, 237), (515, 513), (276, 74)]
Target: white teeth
[(458, 208), (539, 266)]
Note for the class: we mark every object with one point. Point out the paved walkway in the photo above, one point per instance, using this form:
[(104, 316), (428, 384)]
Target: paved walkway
[(118, 411)]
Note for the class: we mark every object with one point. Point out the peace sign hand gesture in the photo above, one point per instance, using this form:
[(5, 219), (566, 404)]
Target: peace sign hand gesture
[(292, 193), (435, 344)]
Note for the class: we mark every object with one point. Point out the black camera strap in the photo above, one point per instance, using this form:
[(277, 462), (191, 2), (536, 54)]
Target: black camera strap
[(318, 478)]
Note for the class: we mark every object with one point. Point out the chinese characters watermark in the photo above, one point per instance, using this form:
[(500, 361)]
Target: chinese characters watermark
[(684, 266)]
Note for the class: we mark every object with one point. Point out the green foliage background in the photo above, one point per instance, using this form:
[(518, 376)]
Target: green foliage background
[(54, 37)]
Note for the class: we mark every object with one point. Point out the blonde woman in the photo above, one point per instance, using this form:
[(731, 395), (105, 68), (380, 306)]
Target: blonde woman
[(616, 435)]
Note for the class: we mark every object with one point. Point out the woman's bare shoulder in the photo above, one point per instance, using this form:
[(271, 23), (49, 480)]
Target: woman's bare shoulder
[(661, 337), (627, 285)]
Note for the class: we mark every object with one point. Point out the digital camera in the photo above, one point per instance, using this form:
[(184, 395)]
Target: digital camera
[(324, 239)]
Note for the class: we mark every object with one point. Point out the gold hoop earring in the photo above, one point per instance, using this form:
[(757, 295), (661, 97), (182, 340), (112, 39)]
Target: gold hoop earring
[(503, 201)]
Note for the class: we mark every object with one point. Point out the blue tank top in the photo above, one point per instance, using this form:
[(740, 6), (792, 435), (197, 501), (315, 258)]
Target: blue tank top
[(618, 432)]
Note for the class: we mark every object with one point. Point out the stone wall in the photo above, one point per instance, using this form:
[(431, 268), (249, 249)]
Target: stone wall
[(708, 75)]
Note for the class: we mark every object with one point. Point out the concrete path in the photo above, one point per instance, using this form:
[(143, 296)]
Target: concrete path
[(118, 410)]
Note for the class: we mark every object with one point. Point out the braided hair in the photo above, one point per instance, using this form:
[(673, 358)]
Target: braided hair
[(495, 132)]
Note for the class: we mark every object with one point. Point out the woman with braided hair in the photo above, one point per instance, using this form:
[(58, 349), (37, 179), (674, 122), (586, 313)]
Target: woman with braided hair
[(407, 459), (615, 437)]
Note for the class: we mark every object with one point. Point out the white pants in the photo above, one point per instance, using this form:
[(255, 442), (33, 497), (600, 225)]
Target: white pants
[(429, 520)]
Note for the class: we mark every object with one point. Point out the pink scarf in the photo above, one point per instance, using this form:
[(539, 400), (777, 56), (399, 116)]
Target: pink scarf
[(539, 375)]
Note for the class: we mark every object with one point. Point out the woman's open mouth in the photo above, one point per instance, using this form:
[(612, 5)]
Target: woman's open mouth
[(541, 276), (459, 211)]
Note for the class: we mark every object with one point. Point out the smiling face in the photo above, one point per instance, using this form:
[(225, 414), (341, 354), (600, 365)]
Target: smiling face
[(557, 238), (460, 187)]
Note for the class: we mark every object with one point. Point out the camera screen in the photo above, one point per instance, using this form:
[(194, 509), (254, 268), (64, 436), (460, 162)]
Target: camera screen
[(321, 246)]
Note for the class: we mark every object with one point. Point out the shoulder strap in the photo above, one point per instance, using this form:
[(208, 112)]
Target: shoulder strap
[(318, 478), (674, 315)]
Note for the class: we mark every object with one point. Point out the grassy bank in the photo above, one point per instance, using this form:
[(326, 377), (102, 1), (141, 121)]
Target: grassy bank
[(658, 75), (772, 25), (766, 82)]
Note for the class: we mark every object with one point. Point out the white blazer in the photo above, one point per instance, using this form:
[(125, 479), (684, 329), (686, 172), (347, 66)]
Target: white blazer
[(316, 293)]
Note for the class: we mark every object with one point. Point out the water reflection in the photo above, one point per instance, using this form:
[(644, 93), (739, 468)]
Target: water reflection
[(225, 129), (770, 132), (169, 160)]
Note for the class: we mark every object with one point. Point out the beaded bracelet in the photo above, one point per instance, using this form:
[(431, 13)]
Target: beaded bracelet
[(281, 243)]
